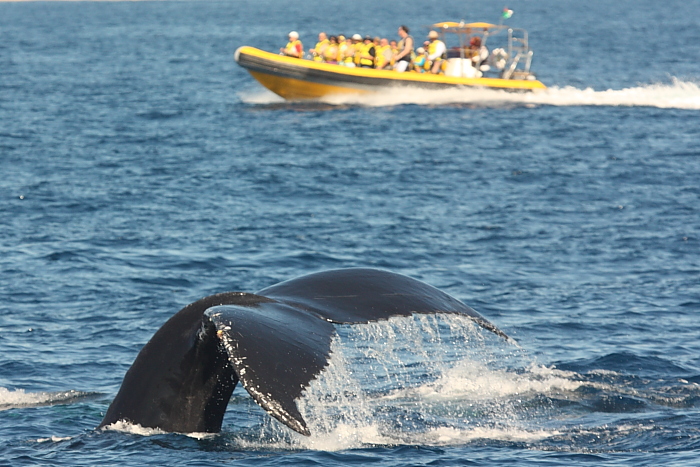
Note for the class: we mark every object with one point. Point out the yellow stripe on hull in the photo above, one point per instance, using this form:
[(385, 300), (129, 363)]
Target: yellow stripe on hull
[(294, 89)]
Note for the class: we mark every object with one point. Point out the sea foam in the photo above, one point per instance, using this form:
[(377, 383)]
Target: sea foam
[(18, 398), (678, 94)]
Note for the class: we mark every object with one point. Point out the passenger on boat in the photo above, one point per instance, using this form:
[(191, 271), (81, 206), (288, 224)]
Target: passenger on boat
[(420, 62), (317, 52), (394, 47), (342, 46), (294, 48), (347, 54), (403, 58), (436, 52), (357, 42), (477, 52), (367, 53), (383, 59), (330, 53)]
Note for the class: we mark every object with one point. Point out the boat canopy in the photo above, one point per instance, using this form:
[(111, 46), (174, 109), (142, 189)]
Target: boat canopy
[(462, 27), (509, 56)]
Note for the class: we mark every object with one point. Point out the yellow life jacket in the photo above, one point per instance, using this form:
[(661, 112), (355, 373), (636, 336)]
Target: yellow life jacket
[(432, 48), (394, 51), (291, 48), (357, 53), (319, 49), (421, 64), (365, 51), (330, 54), (347, 54), (381, 59)]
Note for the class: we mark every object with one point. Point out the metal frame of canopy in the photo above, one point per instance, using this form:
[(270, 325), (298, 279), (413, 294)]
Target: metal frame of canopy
[(518, 58)]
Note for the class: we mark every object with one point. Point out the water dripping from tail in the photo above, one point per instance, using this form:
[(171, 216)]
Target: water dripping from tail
[(426, 379)]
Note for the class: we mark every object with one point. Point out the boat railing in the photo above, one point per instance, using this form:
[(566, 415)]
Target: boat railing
[(519, 55)]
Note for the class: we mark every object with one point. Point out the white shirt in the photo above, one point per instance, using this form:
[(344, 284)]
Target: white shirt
[(439, 50)]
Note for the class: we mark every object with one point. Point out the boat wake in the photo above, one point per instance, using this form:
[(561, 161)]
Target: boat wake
[(678, 94)]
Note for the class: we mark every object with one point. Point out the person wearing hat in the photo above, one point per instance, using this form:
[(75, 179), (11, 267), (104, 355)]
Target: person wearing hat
[(342, 49), (421, 61), (294, 48), (367, 53), (357, 43), (436, 52), (403, 58)]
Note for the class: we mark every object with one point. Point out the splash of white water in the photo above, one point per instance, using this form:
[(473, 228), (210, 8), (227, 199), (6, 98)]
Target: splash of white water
[(54, 439), (11, 399), (429, 380), (678, 94), (136, 429), (133, 428)]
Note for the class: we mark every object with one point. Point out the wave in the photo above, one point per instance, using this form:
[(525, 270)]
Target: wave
[(13, 399), (678, 94), (54, 439)]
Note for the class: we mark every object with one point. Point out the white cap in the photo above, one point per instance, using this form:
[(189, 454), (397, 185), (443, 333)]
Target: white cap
[(433, 34), (356, 37), (294, 35), (420, 50)]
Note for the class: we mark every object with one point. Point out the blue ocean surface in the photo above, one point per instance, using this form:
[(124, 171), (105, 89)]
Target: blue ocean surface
[(142, 169)]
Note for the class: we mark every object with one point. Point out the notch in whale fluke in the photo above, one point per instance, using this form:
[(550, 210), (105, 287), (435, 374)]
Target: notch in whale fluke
[(274, 342)]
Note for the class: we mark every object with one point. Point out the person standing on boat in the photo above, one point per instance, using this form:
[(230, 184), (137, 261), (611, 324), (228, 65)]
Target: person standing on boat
[(318, 52), (294, 48), (403, 58), (367, 53), (436, 52)]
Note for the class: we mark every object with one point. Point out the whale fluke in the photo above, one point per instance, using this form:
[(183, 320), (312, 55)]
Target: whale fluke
[(275, 342)]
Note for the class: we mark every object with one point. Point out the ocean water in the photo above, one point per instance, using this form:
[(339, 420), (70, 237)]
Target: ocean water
[(142, 169)]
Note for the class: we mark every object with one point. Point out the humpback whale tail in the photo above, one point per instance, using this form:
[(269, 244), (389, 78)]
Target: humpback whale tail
[(274, 342)]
